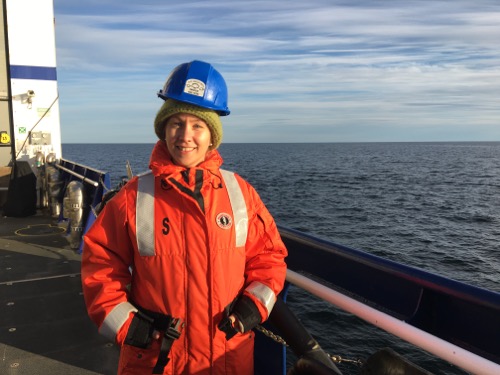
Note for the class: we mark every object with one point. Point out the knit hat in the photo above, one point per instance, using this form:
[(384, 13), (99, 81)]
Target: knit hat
[(171, 107)]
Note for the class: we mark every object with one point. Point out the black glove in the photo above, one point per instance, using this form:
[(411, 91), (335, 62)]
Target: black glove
[(140, 332), (245, 311)]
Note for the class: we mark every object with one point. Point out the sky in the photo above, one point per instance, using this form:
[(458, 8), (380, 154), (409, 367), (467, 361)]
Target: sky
[(297, 71)]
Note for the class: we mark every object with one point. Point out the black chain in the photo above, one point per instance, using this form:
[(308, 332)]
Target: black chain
[(334, 358)]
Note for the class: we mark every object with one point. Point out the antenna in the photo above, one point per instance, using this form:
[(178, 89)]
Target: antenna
[(129, 171)]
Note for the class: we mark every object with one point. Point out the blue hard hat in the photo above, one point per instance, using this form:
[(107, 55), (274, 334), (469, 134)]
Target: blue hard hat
[(197, 83)]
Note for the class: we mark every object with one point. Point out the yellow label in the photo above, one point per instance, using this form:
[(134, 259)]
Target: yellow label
[(43, 111), (4, 138)]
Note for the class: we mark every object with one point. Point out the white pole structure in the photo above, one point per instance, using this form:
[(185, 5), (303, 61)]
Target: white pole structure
[(451, 353)]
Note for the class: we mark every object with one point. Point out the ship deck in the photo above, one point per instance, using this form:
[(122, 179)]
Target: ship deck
[(44, 327)]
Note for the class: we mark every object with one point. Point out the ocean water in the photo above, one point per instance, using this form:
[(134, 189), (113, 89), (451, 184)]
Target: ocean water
[(435, 206)]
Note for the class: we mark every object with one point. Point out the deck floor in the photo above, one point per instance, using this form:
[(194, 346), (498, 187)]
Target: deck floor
[(44, 327)]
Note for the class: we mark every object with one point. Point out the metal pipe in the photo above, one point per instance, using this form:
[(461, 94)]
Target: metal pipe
[(443, 349), (9, 82), (81, 177)]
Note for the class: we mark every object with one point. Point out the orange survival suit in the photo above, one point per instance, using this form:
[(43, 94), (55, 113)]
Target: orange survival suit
[(193, 270)]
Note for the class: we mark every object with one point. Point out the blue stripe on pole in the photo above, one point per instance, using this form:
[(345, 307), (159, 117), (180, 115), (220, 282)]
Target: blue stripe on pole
[(33, 72)]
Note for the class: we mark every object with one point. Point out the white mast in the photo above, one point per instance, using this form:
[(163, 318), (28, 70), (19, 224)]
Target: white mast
[(33, 79)]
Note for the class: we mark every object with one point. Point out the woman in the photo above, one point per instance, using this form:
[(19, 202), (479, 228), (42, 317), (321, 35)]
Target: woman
[(185, 260)]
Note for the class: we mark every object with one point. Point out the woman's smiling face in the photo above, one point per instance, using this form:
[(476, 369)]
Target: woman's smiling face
[(188, 139)]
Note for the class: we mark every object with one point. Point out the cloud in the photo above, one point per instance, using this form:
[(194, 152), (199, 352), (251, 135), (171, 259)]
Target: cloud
[(341, 69)]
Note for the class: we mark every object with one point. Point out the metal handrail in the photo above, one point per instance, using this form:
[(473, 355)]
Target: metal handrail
[(81, 177), (443, 349)]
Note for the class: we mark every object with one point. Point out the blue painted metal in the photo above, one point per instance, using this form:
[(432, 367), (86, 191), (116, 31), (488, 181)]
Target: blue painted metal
[(270, 356), (464, 315), (33, 72), (93, 194)]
